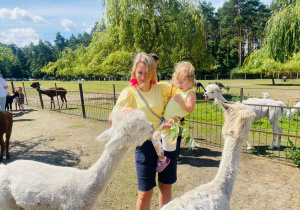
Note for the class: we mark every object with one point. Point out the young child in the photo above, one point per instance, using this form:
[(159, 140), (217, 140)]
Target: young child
[(21, 99), (16, 99), (179, 106)]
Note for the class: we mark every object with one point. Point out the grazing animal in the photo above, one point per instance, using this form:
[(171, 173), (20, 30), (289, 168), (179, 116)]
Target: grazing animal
[(34, 185), (292, 112), (216, 194), (272, 113), (198, 85), (6, 123), (9, 100), (51, 92), (265, 95), (220, 85)]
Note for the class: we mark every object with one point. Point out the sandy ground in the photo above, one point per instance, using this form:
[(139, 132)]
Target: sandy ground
[(67, 140)]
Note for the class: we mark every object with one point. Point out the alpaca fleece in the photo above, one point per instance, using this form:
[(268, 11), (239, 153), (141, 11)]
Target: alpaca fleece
[(216, 194), (38, 186), (272, 113)]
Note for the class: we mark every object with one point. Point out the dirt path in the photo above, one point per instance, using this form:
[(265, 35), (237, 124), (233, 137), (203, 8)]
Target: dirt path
[(67, 140)]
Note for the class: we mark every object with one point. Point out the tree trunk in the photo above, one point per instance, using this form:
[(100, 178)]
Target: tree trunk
[(273, 80)]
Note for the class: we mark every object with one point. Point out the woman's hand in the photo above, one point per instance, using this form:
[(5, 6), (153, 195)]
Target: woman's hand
[(127, 110)]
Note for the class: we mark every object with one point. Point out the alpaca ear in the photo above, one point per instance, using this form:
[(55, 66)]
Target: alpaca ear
[(115, 142), (221, 91), (105, 136)]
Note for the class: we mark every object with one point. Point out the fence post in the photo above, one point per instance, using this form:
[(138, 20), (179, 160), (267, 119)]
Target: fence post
[(114, 94), (12, 86), (204, 77), (40, 94), (260, 76), (231, 76), (297, 75), (57, 98), (245, 76), (241, 95), (25, 93), (217, 76), (82, 100)]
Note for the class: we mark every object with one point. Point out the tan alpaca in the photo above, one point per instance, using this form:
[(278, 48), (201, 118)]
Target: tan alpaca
[(216, 194)]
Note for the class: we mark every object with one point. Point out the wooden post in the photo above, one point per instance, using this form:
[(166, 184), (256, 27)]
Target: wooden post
[(114, 94), (25, 93), (57, 98), (40, 95), (241, 95), (82, 100), (12, 86)]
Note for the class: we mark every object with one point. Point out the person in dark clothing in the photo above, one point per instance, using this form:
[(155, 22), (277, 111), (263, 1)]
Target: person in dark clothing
[(156, 59)]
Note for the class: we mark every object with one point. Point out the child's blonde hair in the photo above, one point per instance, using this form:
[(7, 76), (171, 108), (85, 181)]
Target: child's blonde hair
[(183, 70), (150, 65)]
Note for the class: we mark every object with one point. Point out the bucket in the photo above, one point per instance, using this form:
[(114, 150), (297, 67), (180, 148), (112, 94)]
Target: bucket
[(168, 144)]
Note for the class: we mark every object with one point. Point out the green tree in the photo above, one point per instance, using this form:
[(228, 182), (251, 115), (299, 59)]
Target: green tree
[(280, 52), (7, 58), (172, 29)]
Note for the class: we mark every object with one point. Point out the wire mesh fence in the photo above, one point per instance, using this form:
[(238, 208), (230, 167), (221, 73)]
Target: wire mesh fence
[(205, 122)]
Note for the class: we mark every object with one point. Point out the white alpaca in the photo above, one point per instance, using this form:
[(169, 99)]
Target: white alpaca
[(272, 113), (265, 95), (292, 112), (216, 194), (39, 186)]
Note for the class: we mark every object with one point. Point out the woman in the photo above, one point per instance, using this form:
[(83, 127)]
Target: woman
[(3, 90), (144, 80)]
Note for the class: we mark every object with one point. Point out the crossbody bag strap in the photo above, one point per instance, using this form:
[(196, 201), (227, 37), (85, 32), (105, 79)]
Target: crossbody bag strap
[(148, 105)]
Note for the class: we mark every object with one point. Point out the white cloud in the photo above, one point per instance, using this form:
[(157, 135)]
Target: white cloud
[(68, 25), (19, 36), (19, 15), (89, 29)]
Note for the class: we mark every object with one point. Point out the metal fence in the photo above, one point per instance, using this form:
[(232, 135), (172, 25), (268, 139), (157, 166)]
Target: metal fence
[(205, 122)]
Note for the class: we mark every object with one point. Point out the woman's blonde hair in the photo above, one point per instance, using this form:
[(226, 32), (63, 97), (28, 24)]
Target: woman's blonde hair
[(183, 70), (150, 66)]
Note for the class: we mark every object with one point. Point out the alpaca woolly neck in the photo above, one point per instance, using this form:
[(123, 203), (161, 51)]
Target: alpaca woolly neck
[(104, 168), (228, 169)]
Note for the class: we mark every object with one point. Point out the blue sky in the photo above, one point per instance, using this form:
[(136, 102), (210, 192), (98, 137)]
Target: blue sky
[(25, 21)]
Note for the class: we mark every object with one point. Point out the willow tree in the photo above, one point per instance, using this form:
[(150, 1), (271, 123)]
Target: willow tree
[(281, 48), (171, 29), (7, 58)]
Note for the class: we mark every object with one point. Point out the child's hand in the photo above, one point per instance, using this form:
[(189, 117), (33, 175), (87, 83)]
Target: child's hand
[(178, 98), (166, 126)]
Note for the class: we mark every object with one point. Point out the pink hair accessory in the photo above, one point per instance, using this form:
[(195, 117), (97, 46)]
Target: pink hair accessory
[(153, 82), (134, 82)]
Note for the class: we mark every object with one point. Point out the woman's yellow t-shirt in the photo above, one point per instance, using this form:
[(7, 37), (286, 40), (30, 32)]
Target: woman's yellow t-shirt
[(157, 98), (173, 109)]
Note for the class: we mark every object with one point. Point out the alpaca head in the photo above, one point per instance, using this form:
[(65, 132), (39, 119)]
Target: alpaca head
[(128, 130), (238, 120), (34, 85), (213, 91), (265, 95)]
